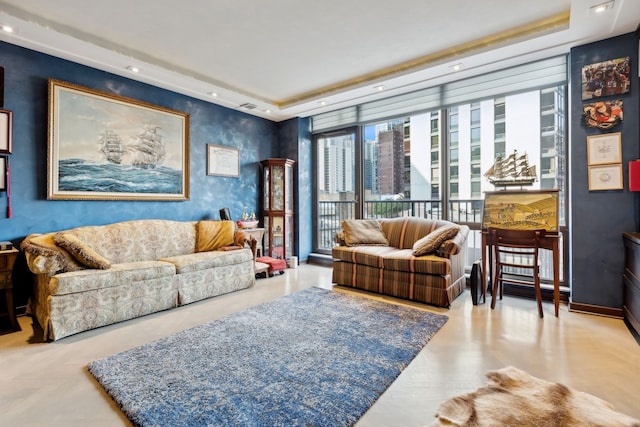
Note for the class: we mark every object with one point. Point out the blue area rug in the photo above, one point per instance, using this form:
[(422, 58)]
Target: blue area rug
[(315, 358)]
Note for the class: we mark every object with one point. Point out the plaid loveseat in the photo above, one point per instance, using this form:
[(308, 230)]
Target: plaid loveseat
[(389, 266)]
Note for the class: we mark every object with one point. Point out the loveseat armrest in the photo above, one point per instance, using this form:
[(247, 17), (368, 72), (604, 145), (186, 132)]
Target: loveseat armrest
[(456, 245), (244, 239)]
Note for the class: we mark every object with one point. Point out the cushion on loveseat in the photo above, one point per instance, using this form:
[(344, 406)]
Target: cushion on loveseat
[(358, 232), (430, 243)]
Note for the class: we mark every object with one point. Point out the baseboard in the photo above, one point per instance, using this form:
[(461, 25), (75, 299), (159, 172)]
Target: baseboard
[(596, 309), (320, 259)]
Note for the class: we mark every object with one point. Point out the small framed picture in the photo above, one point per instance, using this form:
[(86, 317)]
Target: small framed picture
[(223, 161), (604, 149), (3, 173), (606, 177), (5, 131)]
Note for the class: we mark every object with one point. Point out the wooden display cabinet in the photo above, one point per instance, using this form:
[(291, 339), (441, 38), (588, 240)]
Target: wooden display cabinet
[(277, 202)]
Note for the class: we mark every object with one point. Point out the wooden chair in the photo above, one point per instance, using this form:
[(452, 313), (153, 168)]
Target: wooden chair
[(516, 249)]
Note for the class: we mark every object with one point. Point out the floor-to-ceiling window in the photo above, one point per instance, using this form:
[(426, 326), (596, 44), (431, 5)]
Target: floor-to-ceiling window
[(432, 163)]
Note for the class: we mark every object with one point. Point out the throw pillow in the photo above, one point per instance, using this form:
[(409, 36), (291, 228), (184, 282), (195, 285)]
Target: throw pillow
[(359, 232), (212, 235), (81, 251), (430, 243)]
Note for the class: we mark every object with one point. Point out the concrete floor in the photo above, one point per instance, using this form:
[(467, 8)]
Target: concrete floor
[(47, 384)]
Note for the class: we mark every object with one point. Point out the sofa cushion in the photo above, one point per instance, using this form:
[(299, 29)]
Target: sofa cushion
[(404, 260), (454, 245), (50, 257), (210, 259), (368, 232), (403, 232), (430, 243), (82, 252), (212, 235), (117, 275), (366, 255)]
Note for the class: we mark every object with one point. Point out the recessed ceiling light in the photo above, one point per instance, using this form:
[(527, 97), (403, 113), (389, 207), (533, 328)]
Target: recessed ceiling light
[(380, 88), (601, 8), (457, 67), (7, 29), (267, 111), (133, 69), (322, 102), (214, 94)]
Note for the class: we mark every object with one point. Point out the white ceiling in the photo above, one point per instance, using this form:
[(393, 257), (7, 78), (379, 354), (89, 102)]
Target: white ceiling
[(296, 58)]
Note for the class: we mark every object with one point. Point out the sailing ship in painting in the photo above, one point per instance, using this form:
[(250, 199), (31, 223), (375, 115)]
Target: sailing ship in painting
[(111, 146), (513, 170), (147, 149)]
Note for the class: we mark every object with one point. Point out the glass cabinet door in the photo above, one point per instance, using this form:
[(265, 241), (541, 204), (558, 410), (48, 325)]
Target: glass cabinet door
[(278, 205)]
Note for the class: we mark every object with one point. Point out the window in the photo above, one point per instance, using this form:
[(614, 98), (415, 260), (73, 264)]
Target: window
[(432, 163)]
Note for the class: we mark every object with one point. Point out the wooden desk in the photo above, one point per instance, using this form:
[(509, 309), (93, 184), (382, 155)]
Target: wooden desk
[(549, 241)]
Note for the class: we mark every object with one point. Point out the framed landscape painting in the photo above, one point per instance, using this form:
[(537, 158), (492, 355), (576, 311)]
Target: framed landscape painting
[(521, 210), (103, 146)]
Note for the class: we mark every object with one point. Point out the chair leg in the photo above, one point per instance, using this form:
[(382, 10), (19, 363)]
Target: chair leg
[(494, 288), (538, 293)]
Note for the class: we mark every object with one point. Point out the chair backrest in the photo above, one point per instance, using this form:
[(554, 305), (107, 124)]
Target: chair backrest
[(518, 246)]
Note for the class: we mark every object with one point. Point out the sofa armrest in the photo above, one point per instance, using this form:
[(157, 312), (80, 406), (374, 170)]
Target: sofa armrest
[(244, 239), (456, 245)]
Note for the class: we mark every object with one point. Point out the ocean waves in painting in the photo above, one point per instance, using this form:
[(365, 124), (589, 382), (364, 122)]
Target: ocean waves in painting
[(82, 176)]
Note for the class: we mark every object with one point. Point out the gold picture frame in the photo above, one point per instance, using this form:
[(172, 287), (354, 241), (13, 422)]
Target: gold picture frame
[(223, 161), (605, 177), (521, 210), (103, 146), (604, 149)]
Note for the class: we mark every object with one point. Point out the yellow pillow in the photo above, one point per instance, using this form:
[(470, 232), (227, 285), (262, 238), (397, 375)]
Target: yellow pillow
[(430, 243), (81, 252), (212, 235)]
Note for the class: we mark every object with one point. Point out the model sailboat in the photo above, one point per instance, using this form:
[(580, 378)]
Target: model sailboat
[(512, 170)]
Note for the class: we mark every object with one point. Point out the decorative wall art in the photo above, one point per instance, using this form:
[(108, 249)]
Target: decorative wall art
[(521, 210), (606, 78), (223, 161), (5, 131), (108, 147), (602, 115), (3, 173), (604, 149), (605, 177)]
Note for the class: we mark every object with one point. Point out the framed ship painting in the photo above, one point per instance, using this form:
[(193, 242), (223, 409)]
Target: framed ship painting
[(107, 147), (521, 210)]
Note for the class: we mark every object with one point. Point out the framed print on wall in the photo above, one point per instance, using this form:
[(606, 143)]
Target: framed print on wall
[(604, 149), (605, 177), (606, 78), (5, 131), (3, 173), (103, 146), (223, 161)]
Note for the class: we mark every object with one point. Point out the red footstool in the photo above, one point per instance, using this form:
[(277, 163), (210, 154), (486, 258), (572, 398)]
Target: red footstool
[(275, 264)]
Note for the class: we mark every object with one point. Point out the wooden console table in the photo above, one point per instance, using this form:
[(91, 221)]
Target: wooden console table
[(550, 241)]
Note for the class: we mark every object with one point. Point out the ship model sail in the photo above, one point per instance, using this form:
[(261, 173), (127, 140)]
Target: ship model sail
[(512, 170), (111, 146), (147, 148)]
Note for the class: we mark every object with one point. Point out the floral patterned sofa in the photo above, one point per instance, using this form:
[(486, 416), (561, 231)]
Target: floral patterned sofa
[(93, 276), (412, 258)]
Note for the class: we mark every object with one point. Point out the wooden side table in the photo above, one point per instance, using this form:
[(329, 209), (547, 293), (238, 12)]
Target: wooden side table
[(7, 259)]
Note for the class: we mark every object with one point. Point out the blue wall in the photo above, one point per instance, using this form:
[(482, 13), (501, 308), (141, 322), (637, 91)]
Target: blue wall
[(26, 76), (598, 218)]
